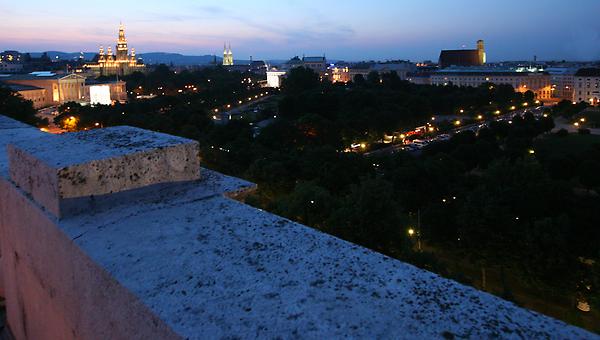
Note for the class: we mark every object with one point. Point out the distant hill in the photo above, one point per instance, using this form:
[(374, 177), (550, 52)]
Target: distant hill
[(64, 55), (149, 58), (177, 59), (153, 58)]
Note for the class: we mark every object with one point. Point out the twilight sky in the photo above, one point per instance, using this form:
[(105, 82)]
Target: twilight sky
[(343, 29)]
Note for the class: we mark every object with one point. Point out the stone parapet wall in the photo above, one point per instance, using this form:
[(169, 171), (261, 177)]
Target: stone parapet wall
[(153, 250)]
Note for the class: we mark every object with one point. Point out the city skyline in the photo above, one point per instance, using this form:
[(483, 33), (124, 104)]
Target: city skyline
[(408, 30)]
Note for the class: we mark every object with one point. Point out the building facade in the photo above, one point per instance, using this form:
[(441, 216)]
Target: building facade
[(6, 67), (123, 63), (105, 92), (36, 95), (402, 68), (59, 88), (586, 84), (562, 82), (339, 74), (47, 89), (275, 78), (538, 82), (10, 57), (11, 62), (317, 64)]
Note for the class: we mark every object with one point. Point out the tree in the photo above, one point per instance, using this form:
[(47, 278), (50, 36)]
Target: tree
[(300, 79), (373, 78), (308, 203), (359, 80), (589, 173), (369, 215), (14, 106)]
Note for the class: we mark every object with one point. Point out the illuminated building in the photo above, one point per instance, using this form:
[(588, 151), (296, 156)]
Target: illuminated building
[(587, 86), (562, 82), (344, 72), (275, 78), (105, 92), (475, 57), (537, 82), (59, 88), (10, 62), (36, 95), (47, 89), (227, 56), (123, 63), (339, 74), (10, 57)]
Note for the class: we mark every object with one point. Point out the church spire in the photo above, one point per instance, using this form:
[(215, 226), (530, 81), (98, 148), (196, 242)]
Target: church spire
[(122, 33), (227, 55)]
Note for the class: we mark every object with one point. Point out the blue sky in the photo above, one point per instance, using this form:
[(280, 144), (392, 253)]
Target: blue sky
[(350, 29)]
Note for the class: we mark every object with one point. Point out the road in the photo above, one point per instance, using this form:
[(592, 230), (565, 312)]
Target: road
[(50, 113), (225, 116), (561, 123), (416, 147)]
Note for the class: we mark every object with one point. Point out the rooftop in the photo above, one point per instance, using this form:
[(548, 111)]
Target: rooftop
[(485, 70), (38, 76), (313, 59), (588, 72), (20, 87)]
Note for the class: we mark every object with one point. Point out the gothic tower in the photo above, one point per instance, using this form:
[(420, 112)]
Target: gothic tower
[(481, 52), (122, 52), (227, 56)]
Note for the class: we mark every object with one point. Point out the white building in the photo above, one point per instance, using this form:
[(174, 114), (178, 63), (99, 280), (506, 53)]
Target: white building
[(274, 78), (562, 82), (586, 84), (537, 82)]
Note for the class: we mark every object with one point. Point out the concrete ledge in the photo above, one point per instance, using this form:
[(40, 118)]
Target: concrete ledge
[(53, 169)]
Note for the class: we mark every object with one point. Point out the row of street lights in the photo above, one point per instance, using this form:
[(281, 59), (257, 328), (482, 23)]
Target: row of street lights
[(240, 102)]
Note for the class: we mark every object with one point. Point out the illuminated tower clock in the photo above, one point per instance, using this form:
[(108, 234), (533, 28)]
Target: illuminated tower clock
[(122, 51)]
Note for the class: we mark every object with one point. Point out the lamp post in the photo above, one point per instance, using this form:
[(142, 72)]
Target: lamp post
[(412, 232)]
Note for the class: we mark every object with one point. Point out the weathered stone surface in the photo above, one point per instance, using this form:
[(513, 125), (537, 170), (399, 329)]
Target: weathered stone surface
[(12, 131), (54, 290), (53, 169), (211, 267)]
